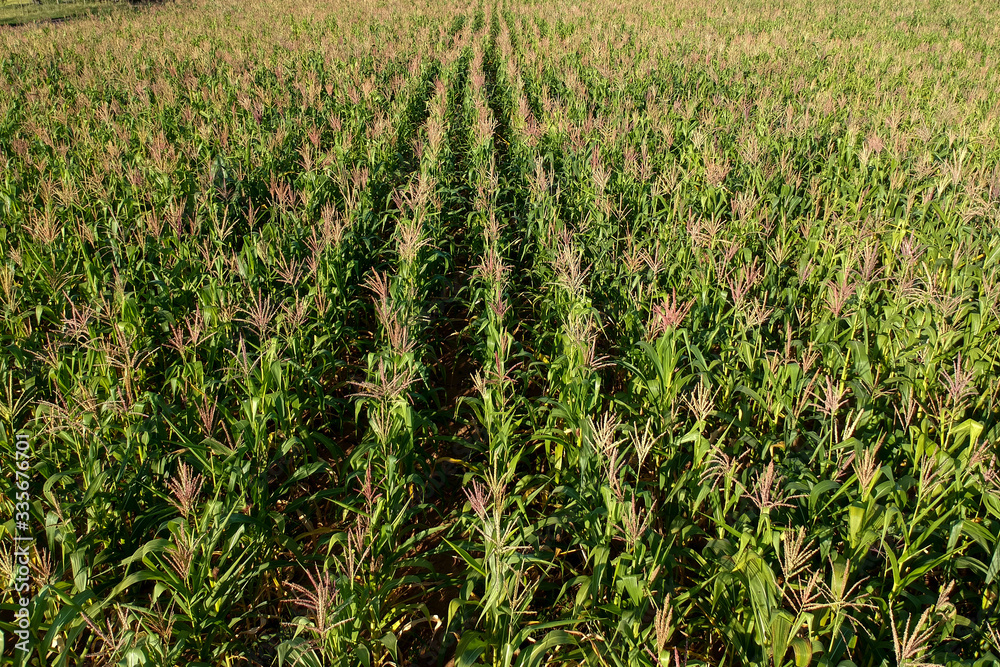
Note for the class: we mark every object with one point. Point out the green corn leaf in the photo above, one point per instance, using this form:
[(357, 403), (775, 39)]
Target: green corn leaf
[(474, 563)]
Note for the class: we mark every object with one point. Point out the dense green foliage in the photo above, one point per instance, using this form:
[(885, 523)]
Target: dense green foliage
[(516, 334)]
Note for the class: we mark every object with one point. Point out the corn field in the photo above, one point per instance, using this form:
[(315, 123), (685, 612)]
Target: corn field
[(513, 333)]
